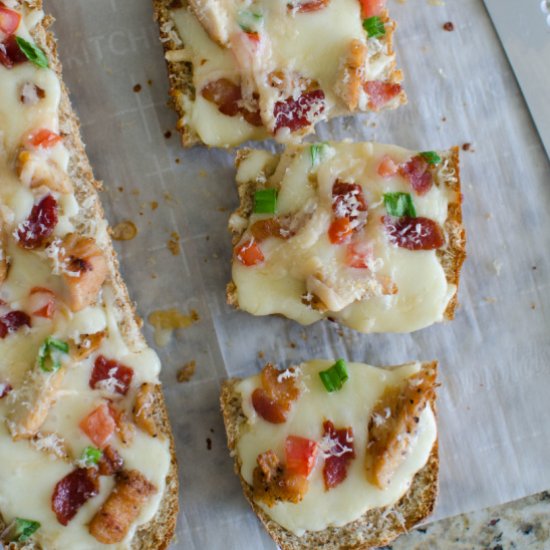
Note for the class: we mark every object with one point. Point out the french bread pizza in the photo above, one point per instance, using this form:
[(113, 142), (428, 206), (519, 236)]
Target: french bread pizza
[(335, 455), (86, 452), (251, 69), (367, 235)]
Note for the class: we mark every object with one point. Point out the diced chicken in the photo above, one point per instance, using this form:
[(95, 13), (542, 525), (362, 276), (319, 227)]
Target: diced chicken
[(86, 345), (35, 170), (393, 425), (351, 74), (125, 429), (214, 17), (29, 404), (51, 444), (144, 409), (84, 269), (114, 519)]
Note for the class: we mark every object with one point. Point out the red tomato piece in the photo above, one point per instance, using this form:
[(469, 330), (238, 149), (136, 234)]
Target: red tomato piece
[(381, 92), (338, 456), (11, 322), (269, 409), (370, 8), (39, 225), (417, 172), (348, 200), (42, 302), (414, 233), (359, 255), (301, 454), (306, 6), (99, 425), (340, 230), (254, 36), (111, 462), (9, 20), (111, 375), (295, 114), (73, 491), (387, 167), (5, 388), (10, 53), (44, 139), (249, 253)]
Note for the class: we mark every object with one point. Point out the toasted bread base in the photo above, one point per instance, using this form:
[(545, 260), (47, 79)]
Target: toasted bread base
[(158, 533), (376, 527)]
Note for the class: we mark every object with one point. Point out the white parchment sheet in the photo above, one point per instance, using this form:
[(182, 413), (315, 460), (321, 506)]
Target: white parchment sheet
[(494, 405)]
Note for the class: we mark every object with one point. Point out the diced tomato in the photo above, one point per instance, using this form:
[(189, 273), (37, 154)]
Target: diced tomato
[(11, 322), (42, 302), (358, 255), (417, 172), (370, 8), (306, 6), (39, 225), (338, 456), (254, 36), (381, 92), (301, 454), (269, 409), (73, 491), (111, 375), (10, 53), (5, 388), (295, 114), (249, 253), (44, 139), (387, 167), (99, 425), (340, 230), (9, 20), (414, 233)]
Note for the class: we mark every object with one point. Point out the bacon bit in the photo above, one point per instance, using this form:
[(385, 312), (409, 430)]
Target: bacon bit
[(144, 409), (87, 344), (351, 74), (99, 425), (339, 454), (340, 230), (381, 92), (114, 519), (306, 6), (272, 482), (270, 227), (358, 255), (370, 8), (227, 96), (296, 114), (9, 20), (73, 491), (42, 302), (10, 53), (273, 400), (40, 224), (301, 454), (249, 253), (110, 375), (393, 424), (111, 462), (414, 233), (5, 388), (11, 322), (417, 172), (348, 200), (44, 139), (387, 167)]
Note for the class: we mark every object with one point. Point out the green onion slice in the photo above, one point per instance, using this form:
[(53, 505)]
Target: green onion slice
[(50, 354), (399, 204), (265, 201), (33, 53), (91, 455), (333, 378), (22, 529), (316, 152), (374, 26), (249, 21), (431, 157)]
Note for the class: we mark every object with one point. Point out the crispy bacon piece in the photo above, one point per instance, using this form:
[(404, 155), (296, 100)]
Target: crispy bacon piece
[(111, 375), (296, 114), (414, 233), (34, 170), (114, 519), (393, 424), (273, 400), (73, 491), (306, 6), (380, 93), (351, 74), (144, 409), (11, 322), (338, 455), (417, 172), (10, 53), (111, 462), (39, 225), (272, 482), (348, 200)]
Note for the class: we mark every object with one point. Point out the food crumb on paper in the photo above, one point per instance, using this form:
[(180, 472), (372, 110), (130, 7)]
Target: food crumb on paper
[(124, 231), (261, 355), (174, 243), (168, 134), (208, 444), (187, 371), (448, 26), (467, 147), (533, 305), (137, 88), (165, 321), (497, 266), (154, 205), (490, 300)]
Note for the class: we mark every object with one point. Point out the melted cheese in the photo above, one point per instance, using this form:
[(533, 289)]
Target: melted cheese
[(292, 44), (27, 475), (290, 268), (350, 406)]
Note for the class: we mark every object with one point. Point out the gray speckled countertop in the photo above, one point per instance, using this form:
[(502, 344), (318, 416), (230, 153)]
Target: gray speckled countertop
[(524, 523)]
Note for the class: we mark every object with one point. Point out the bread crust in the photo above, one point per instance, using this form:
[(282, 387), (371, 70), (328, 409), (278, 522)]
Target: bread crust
[(158, 533), (376, 527)]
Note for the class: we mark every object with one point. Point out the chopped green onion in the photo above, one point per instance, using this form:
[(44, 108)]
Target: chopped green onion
[(249, 21), (91, 455), (374, 26), (316, 152), (265, 201), (399, 204), (32, 52), (431, 157), (333, 379), (50, 353), (22, 529)]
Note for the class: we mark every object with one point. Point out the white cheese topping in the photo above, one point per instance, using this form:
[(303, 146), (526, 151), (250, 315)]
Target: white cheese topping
[(348, 407)]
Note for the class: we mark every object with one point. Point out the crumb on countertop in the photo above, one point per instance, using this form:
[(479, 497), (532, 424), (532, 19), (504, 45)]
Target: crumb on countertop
[(137, 88), (448, 26), (186, 372), (168, 134), (174, 243), (124, 231)]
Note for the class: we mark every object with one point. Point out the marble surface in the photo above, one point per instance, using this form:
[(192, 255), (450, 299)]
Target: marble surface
[(523, 524)]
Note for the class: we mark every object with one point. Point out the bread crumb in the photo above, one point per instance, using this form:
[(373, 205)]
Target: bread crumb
[(137, 88), (448, 26), (174, 244), (467, 147), (489, 300), (533, 305), (135, 192), (154, 205), (165, 321), (168, 197), (124, 231), (292, 344), (208, 444), (187, 371), (489, 216), (261, 355), (222, 209), (168, 134), (203, 174), (177, 160), (150, 82), (120, 189)]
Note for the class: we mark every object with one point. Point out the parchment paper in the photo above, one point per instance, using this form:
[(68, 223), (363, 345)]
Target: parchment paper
[(494, 404)]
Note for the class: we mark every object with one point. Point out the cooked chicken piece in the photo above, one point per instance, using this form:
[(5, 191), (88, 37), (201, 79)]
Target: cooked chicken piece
[(35, 170), (86, 345), (214, 16), (144, 409), (111, 524), (351, 74), (393, 425)]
